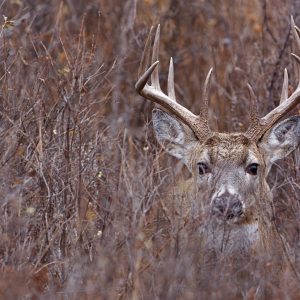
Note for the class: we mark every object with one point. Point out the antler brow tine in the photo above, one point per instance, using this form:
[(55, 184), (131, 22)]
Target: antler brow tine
[(141, 83)]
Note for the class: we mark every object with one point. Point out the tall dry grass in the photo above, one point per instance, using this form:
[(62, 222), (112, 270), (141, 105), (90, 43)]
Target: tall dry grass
[(80, 168)]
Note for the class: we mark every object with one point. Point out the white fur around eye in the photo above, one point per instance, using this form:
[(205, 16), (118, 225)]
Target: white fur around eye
[(251, 158)]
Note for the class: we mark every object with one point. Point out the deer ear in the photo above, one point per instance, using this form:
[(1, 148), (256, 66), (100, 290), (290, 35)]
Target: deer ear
[(174, 136), (281, 139)]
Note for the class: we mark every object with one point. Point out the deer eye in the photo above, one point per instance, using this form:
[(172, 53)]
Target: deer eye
[(203, 168), (252, 169)]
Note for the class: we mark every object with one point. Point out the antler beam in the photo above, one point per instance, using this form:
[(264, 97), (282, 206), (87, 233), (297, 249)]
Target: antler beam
[(153, 92), (257, 129)]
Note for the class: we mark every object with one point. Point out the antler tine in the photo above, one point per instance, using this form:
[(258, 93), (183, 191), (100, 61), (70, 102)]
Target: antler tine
[(296, 57), (146, 54), (285, 87), (171, 88), (296, 33), (205, 96), (253, 107), (155, 75), (286, 103), (297, 28), (206, 88), (203, 115)]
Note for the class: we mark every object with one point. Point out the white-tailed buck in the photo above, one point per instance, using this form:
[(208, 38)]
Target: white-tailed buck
[(229, 170)]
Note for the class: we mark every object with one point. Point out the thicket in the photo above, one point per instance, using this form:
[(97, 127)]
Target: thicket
[(79, 166)]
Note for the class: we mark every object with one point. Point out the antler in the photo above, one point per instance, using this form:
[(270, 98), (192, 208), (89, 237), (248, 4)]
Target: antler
[(153, 92), (260, 126)]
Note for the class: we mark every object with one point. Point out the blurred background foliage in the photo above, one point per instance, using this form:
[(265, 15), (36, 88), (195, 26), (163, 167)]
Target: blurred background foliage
[(79, 165)]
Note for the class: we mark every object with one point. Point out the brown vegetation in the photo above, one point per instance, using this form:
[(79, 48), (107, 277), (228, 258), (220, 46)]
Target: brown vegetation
[(80, 168)]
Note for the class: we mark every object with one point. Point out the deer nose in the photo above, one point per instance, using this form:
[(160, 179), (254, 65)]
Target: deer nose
[(227, 206)]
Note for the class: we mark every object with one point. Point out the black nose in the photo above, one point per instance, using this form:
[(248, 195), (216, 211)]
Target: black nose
[(227, 206)]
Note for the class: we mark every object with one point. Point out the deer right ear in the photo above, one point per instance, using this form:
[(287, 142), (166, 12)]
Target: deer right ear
[(282, 139), (175, 137)]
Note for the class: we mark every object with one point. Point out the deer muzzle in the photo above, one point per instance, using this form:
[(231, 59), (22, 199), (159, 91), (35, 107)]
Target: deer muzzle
[(227, 206)]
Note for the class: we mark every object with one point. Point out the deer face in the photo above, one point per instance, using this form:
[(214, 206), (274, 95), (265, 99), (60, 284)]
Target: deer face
[(230, 170)]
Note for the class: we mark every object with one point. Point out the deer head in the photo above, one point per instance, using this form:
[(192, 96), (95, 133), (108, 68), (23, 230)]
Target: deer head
[(230, 169)]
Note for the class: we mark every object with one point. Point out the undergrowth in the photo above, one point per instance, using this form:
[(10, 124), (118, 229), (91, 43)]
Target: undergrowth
[(80, 169)]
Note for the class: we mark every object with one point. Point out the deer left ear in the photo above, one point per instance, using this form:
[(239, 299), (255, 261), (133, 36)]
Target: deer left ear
[(282, 139)]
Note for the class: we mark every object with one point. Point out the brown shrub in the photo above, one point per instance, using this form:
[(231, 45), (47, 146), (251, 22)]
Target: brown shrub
[(79, 165)]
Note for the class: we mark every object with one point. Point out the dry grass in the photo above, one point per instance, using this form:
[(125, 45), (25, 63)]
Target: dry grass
[(79, 165)]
